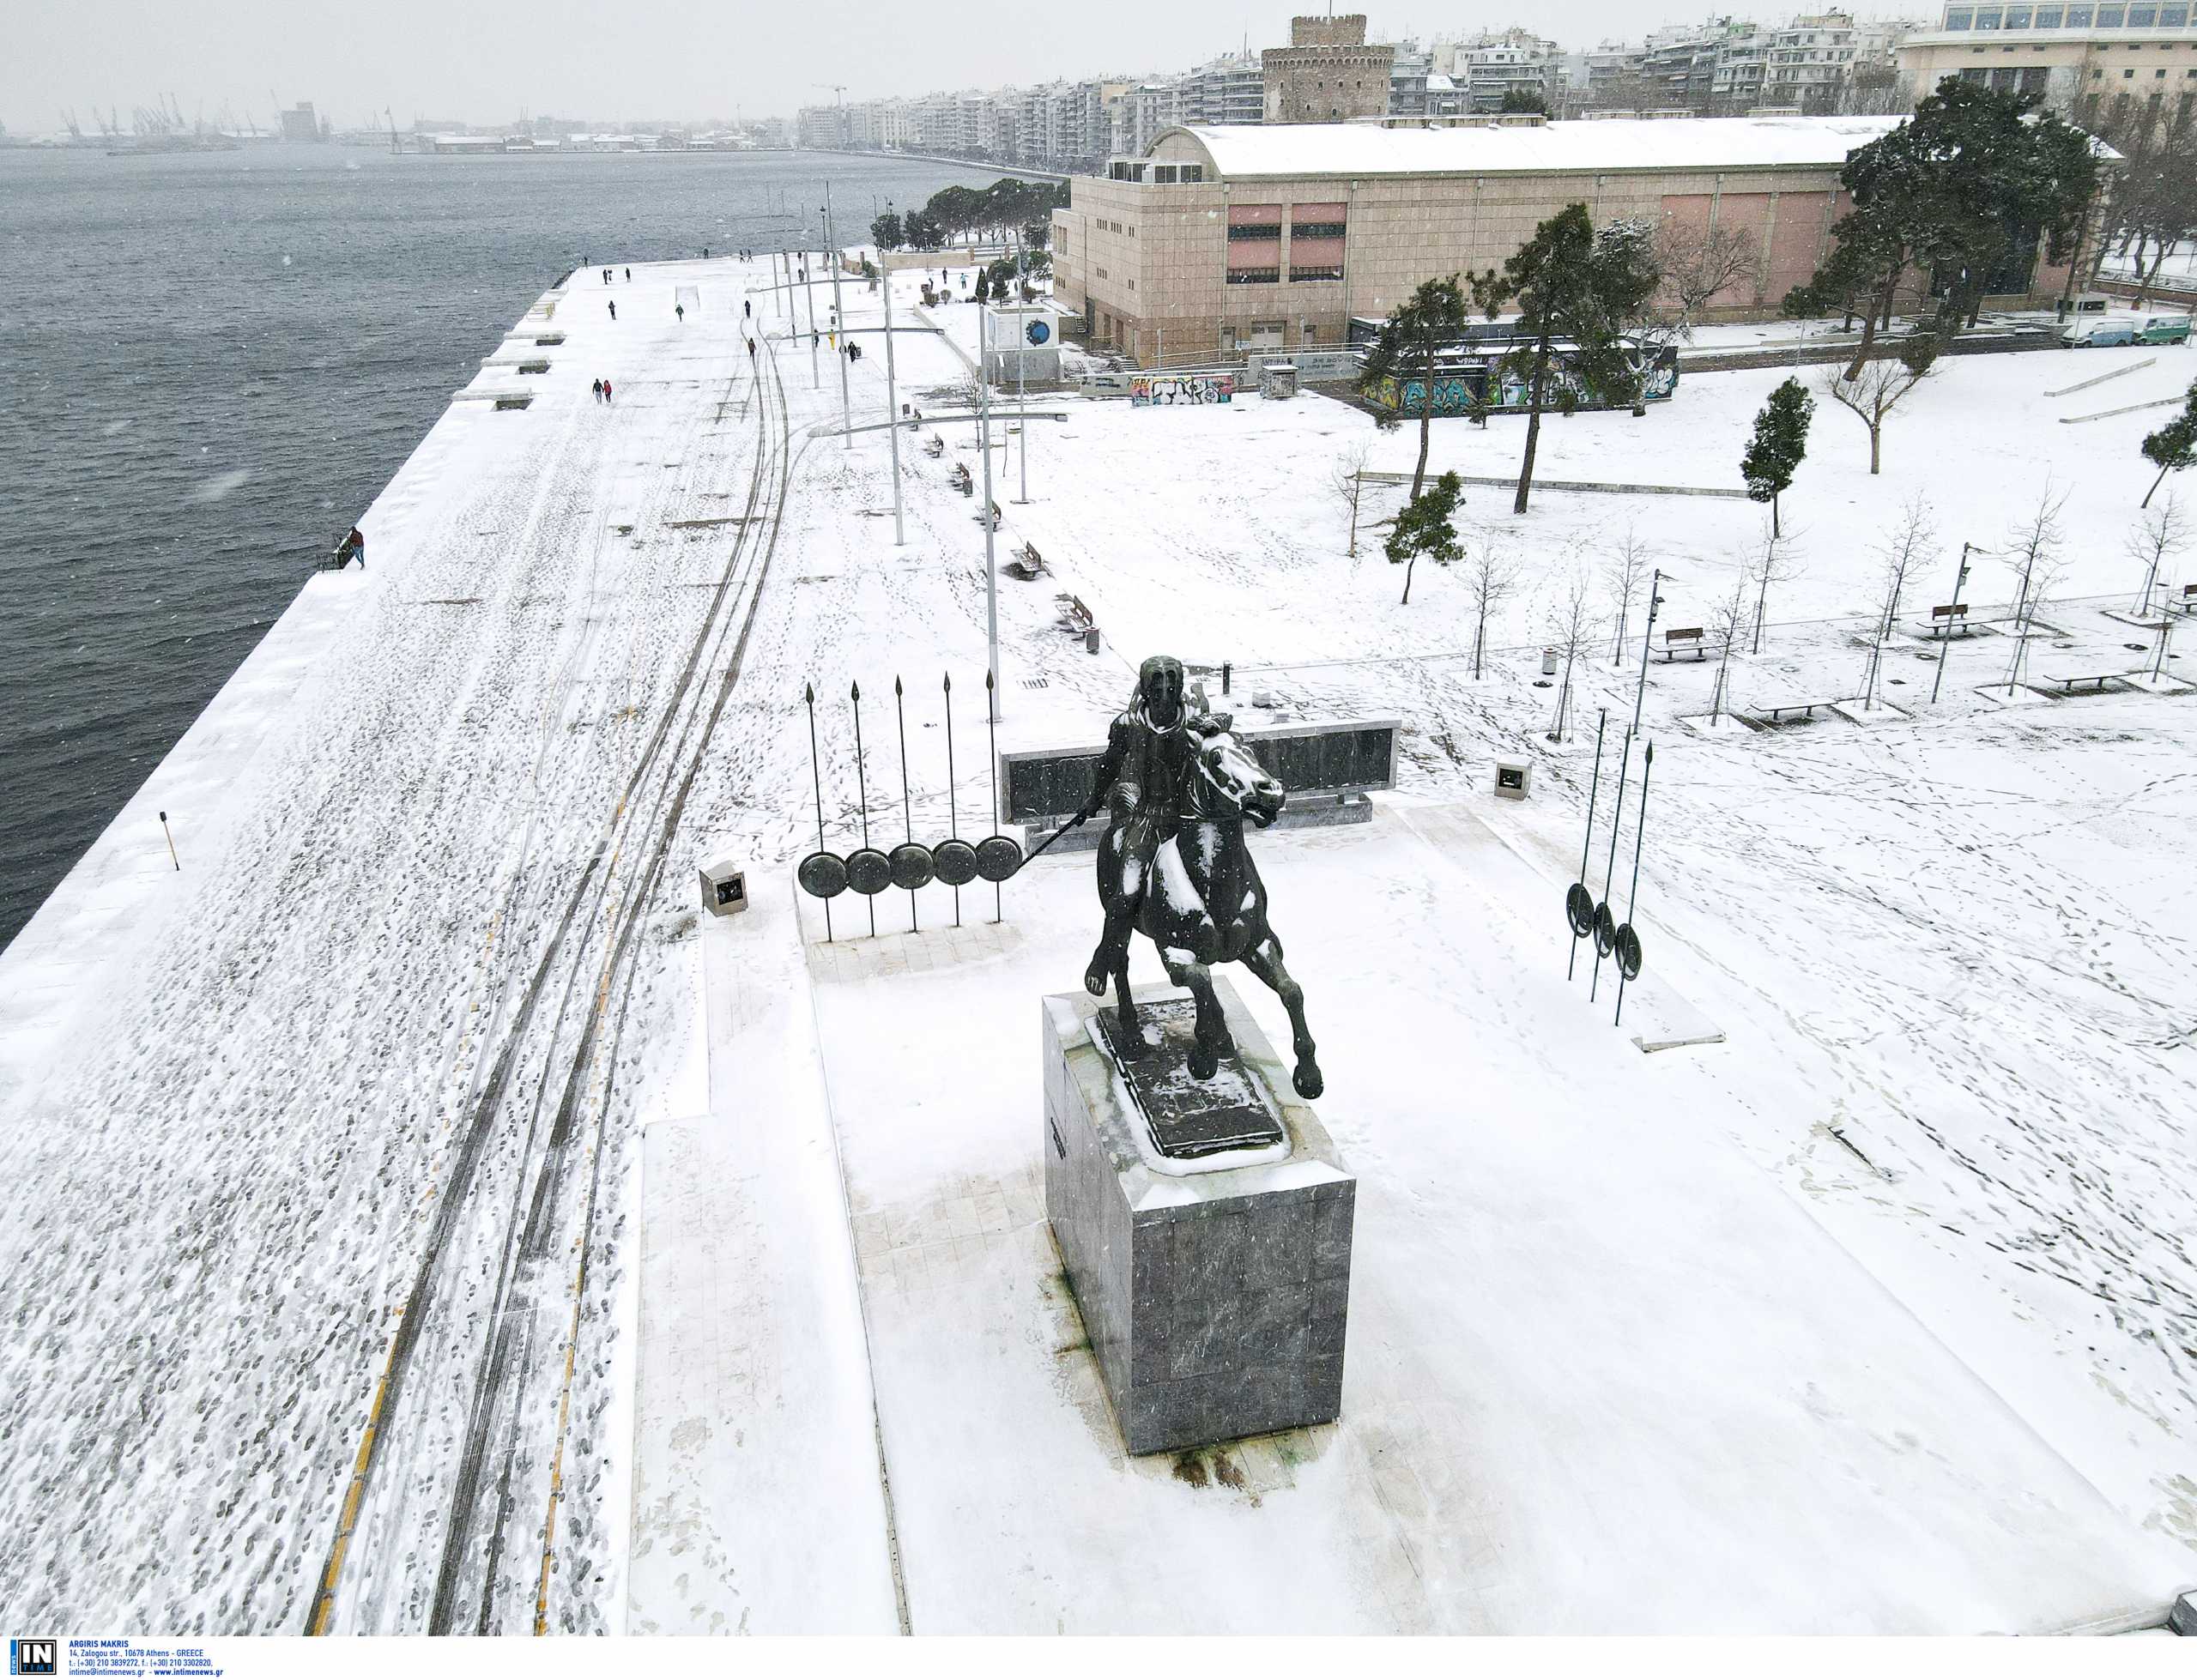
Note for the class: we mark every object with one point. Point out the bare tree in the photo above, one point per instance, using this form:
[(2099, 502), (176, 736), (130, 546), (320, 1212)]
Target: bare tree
[(2040, 576), (1490, 579), (2033, 545), (1904, 548), (1698, 264), (1777, 561), (1624, 575), (2160, 535), (1348, 478), (1572, 624), (1875, 389), (1727, 623)]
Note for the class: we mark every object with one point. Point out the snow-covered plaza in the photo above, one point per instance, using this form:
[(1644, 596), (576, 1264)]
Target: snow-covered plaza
[(440, 1223)]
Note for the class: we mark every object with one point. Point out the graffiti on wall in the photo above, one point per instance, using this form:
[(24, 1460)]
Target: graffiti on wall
[(1165, 391), (1466, 389)]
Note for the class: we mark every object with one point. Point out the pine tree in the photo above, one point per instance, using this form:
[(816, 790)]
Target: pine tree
[(1779, 445), (1583, 290), (1413, 336), (1425, 526), (2173, 447)]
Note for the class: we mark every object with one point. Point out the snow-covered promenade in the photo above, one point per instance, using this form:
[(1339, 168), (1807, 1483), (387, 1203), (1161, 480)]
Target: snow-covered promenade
[(430, 1221)]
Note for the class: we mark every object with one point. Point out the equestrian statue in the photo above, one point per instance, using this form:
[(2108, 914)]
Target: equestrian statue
[(1173, 865)]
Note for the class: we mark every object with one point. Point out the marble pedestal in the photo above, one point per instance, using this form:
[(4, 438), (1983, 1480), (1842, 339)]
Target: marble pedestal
[(1214, 1291)]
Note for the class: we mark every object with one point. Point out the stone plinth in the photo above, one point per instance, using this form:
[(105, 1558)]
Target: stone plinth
[(1214, 1291)]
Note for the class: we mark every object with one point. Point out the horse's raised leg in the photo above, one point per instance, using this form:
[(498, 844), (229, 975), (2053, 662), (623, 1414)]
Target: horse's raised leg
[(1211, 1041), (1264, 959)]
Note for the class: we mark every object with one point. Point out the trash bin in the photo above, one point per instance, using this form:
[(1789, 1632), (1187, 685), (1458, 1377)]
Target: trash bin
[(1548, 661), (724, 888), (1091, 639), (1513, 777)]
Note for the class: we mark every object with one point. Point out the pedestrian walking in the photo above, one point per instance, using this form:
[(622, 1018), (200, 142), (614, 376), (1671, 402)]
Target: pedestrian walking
[(352, 547), (747, 308), (605, 391), (680, 310), (613, 310), (629, 273), (598, 390), (750, 349)]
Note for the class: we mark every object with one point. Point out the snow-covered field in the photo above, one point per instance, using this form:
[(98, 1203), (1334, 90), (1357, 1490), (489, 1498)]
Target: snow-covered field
[(323, 1127)]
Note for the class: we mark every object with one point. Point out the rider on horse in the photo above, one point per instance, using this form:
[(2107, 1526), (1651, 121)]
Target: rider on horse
[(1152, 752)]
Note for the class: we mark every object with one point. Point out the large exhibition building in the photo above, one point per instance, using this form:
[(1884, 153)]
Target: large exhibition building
[(1220, 240)]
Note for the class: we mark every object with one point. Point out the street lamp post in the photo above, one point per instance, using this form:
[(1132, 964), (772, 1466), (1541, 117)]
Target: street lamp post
[(839, 315), (1022, 407), (1953, 618), (991, 571), (809, 280), (892, 405), (1655, 600)]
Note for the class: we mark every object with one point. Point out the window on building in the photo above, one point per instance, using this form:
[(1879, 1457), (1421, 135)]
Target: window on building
[(2078, 17), (1315, 271), (2018, 17), (1959, 17), (2143, 17), (1987, 17), (2048, 17), (2108, 18), (2173, 17)]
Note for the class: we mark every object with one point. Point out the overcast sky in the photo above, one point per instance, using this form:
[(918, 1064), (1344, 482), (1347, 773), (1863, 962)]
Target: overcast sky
[(484, 61)]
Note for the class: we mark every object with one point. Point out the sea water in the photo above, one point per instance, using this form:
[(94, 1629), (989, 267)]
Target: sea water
[(212, 363)]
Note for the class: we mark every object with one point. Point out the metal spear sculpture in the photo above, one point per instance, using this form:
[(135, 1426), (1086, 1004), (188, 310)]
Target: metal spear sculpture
[(822, 875), (1628, 941), (870, 871), (1579, 901), (954, 858), (1605, 924), (913, 865)]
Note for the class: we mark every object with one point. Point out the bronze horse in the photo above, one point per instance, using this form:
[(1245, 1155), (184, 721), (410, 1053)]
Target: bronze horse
[(1199, 899)]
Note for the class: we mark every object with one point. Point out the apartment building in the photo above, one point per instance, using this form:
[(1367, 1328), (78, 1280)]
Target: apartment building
[(2083, 60)]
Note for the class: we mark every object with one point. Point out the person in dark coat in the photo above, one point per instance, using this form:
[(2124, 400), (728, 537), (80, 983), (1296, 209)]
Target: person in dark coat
[(598, 390), (352, 547), (614, 310), (629, 273), (680, 310), (747, 308)]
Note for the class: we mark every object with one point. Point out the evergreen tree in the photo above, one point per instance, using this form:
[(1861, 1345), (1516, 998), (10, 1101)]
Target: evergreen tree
[(1425, 526), (886, 231), (1581, 289), (2173, 447), (1412, 338), (1779, 445)]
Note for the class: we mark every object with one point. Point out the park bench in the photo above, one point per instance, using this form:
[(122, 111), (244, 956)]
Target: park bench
[(1944, 620), (1028, 564), (1675, 640), (2186, 602), (1775, 711), (1075, 617), (962, 481), (2067, 684)]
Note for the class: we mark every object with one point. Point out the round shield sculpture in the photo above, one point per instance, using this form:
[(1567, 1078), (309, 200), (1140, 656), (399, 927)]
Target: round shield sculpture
[(1037, 332), (1628, 952), (998, 857), (1605, 925), (870, 871), (822, 875), (912, 866), (955, 862), (1579, 909)]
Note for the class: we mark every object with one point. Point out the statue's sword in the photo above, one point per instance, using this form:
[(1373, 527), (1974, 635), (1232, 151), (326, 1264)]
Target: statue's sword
[(1078, 821)]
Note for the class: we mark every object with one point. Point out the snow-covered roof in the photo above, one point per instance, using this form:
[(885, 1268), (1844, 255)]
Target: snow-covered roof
[(1619, 143)]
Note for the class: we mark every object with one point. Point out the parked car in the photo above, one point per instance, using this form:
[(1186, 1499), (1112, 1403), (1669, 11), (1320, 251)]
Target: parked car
[(2097, 331), (2164, 329)]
